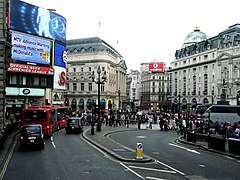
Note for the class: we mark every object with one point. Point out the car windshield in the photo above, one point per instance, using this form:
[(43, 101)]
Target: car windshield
[(32, 130), (73, 121)]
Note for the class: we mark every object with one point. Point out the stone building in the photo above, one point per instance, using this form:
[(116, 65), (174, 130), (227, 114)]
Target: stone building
[(206, 70), (154, 88), (85, 56)]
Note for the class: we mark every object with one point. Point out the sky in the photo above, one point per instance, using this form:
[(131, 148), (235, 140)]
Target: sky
[(144, 31)]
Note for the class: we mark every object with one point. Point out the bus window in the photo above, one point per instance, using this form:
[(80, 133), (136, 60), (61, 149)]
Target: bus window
[(35, 115)]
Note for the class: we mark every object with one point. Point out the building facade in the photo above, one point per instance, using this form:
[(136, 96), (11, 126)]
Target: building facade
[(85, 56), (154, 88), (36, 65), (206, 70)]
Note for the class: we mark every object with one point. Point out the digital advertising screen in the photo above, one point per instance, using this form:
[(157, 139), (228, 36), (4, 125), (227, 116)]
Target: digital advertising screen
[(35, 20), (60, 78), (60, 55), (31, 49)]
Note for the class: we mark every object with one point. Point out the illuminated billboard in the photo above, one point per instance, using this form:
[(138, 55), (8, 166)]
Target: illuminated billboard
[(60, 61), (31, 49), (25, 68), (34, 20), (156, 67)]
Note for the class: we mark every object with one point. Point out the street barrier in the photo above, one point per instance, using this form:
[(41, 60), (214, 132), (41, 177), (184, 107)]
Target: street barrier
[(234, 145), (216, 142), (139, 151)]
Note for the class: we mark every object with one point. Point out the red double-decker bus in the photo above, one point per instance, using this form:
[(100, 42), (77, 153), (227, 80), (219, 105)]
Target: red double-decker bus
[(51, 118)]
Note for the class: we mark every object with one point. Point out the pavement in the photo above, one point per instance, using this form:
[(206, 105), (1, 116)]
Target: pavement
[(103, 142)]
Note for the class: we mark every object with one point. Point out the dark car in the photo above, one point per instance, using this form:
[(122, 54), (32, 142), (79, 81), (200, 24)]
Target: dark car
[(74, 125), (32, 135)]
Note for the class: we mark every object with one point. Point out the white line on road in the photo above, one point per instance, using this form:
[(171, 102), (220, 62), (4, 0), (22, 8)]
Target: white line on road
[(132, 171), (53, 142), (152, 169), (170, 167), (154, 178), (189, 150)]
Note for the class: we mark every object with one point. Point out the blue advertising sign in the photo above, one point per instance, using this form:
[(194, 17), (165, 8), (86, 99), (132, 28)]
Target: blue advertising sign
[(31, 49), (60, 55), (37, 21)]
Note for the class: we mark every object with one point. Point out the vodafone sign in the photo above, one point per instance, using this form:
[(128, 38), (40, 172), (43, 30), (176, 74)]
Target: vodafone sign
[(156, 67)]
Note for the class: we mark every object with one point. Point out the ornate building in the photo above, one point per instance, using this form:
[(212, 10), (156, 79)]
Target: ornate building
[(85, 56), (154, 88), (207, 70)]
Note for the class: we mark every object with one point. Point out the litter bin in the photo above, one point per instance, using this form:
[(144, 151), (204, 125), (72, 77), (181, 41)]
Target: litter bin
[(234, 145)]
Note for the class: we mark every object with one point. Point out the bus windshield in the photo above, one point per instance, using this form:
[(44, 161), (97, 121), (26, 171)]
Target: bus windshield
[(35, 115)]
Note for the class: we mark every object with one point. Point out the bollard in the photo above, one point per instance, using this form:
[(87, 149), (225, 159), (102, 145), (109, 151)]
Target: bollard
[(139, 151)]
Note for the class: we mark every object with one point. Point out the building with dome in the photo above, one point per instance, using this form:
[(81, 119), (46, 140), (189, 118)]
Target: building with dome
[(194, 37), (86, 57), (206, 70)]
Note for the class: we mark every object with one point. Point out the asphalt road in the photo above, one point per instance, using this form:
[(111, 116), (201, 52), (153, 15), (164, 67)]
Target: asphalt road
[(65, 157), (189, 161), (71, 157)]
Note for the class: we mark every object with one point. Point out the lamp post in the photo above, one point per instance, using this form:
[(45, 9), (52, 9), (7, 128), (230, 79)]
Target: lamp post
[(179, 105), (92, 121), (100, 80), (238, 98), (119, 104)]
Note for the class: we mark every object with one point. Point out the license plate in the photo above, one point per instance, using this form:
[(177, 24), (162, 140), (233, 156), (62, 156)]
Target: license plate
[(31, 140)]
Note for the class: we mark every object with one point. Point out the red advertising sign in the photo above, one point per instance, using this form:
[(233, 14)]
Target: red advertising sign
[(156, 67), (25, 68)]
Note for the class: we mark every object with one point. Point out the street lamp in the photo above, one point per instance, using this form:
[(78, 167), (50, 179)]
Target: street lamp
[(119, 104), (179, 105), (99, 81), (92, 120), (238, 98)]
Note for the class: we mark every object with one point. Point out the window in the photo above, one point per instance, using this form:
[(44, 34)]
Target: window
[(89, 69), (35, 81), (13, 79), (82, 87), (74, 69), (22, 80), (102, 88), (43, 81), (81, 69), (205, 77), (74, 86), (89, 86)]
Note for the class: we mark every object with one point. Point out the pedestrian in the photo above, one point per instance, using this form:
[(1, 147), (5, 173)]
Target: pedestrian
[(161, 123), (150, 121)]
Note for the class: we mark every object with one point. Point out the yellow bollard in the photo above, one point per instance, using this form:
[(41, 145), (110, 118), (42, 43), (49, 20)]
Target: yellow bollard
[(139, 151)]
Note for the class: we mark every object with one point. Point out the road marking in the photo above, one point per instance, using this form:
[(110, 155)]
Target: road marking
[(132, 171), (189, 150), (141, 137), (152, 169), (154, 178), (53, 142), (170, 167), (229, 157), (201, 165)]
